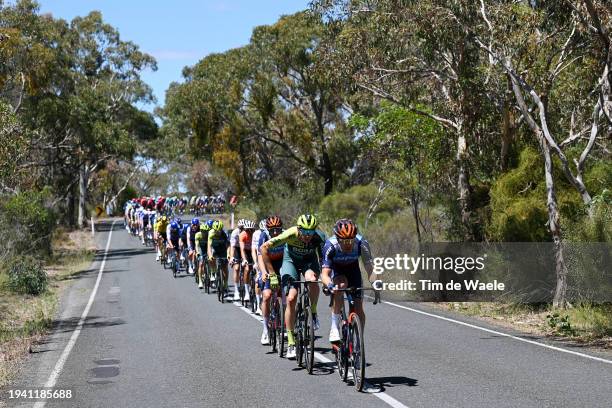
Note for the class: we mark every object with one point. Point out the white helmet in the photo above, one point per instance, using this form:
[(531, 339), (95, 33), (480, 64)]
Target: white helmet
[(248, 224), (262, 224)]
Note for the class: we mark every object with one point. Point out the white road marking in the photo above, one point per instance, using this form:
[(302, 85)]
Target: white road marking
[(321, 358), (473, 326), (57, 370)]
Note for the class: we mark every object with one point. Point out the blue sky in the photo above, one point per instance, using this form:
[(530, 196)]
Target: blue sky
[(181, 32)]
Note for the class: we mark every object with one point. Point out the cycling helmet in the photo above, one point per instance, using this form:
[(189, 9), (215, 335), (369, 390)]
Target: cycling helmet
[(174, 225), (274, 222), (262, 224), (205, 227), (210, 223), (248, 224), (217, 225), (241, 222), (345, 229), (164, 218), (307, 221), (195, 221)]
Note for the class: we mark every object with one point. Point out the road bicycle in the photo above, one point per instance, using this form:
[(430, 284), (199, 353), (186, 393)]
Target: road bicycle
[(275, 326), (221, 265), (304, 328), (174, 262), (350, 350), (252, 295)]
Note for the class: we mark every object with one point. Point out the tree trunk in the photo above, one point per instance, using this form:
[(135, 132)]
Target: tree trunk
[(464, 188), (83, 178), (415, 213), (559, 299), (507, 134)]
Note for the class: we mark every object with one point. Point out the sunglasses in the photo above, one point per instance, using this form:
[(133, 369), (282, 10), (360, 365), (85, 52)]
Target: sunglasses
[(275, 231), (307, 232)]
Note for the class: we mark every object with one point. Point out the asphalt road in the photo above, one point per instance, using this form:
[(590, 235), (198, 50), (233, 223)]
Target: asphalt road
[(149, 340)]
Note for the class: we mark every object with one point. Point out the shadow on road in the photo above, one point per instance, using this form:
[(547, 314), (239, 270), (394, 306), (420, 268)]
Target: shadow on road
[(91, 322), (384, 382)]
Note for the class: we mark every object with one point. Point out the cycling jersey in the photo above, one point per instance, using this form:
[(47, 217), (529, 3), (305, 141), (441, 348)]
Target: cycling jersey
[(246, 239), (297, 249), (161, 226), (218, 243), (342, 262), (347, 263), (173, 235), (201, 240), (191, 235)]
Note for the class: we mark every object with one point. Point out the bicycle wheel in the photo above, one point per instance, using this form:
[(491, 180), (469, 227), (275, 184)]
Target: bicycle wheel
[(206, 280), (273, 324), (341, 354), (282, 331), (252, 295), (357, 352), (219, 284), (309, 338), (299, 335)]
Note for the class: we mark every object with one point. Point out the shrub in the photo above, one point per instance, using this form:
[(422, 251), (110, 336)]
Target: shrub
[(26, 223), (26, 275)]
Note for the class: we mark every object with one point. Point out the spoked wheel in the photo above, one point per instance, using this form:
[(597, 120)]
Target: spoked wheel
[(219, 284), (309, 338), (299, 336), (252, 295), (341, 355), (273, 325), (357, 352), (206, 281), (282, 331)]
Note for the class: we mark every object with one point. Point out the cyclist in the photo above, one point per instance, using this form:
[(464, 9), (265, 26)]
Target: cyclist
[(235, 256), (254, 250), (201, 243), (341, 269), (303, 249), (195, 227), (217, 249), (184, 228), (160, 235), (173, 234), (245, 239), (273, 227)]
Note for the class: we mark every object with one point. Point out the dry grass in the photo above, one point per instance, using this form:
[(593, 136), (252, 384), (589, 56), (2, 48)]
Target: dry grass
[(591, 325), (24, 319)]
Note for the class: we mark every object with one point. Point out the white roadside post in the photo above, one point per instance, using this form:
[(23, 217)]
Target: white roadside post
[(93, 229)]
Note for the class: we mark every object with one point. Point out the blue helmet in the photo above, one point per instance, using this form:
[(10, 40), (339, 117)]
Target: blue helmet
[(195, 221), (174, 225), (210, 223)]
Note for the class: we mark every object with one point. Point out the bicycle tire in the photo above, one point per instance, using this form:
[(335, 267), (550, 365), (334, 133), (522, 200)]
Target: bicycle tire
[(299, 335), (281, 337), (357, 357), (341, 357), (309, 338)]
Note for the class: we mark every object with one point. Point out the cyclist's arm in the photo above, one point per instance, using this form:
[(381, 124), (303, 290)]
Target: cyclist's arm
[(327, 261), (366, 257), (209, 246)]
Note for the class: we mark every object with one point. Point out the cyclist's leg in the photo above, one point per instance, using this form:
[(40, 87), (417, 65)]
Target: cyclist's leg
[(289, 274), (355, 281), (312, 272)]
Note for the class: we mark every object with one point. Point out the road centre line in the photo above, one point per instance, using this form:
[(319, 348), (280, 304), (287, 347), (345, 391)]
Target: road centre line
[(389, 400), (59, 365)]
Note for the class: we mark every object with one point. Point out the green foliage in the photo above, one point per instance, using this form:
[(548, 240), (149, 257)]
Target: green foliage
[(560, 324), (355, 202), (26, 275), (26, 223)]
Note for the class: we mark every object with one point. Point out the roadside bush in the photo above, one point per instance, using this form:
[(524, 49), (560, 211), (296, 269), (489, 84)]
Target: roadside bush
[(27, 224), (355, 202), (26, 275)]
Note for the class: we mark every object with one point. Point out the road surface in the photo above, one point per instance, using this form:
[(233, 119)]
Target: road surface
[(148, 340)]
